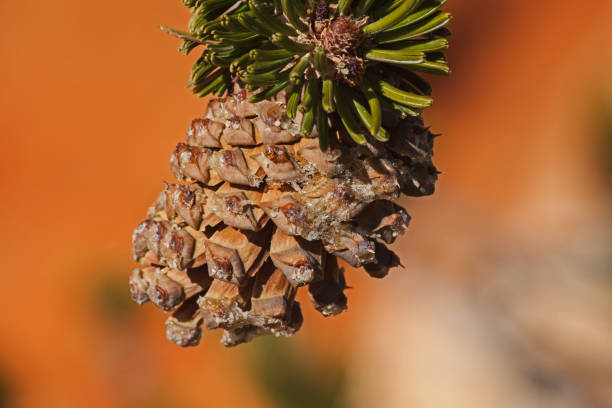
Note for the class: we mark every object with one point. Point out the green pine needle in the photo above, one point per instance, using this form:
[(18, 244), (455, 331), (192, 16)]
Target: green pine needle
[(271, 46)]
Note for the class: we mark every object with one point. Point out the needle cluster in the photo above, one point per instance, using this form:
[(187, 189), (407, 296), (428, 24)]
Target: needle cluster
[(348, 61)]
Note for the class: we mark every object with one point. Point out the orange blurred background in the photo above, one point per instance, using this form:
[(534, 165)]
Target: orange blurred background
[(506, 298)]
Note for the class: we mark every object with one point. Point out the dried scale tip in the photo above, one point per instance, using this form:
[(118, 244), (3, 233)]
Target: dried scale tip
[(345, 61), (260, 211)]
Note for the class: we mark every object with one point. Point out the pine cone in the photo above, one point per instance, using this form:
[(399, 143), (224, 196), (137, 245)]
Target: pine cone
[(276, 185), (260, 211)]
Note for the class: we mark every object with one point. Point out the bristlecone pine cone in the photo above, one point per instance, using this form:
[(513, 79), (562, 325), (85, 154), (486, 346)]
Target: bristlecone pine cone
[(269, 194)]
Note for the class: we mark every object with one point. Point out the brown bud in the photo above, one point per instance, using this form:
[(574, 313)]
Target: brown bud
[(420, 181), (191, 163), (274, 134), (326, 162), (183, 327), (272, 294), (417, 143), (204, 133), (327, 295), (166, 241), (216, 108), (138, 287), (232, 167), (270, 113), (299, 265), (288, 327), (278, 163), (239, 132), (383, 180), (154, 235), (245, 334), (176, 247), (235, 211), (139, 240), (224, 305), (384, 220), (286, 213), (291, 323), (224, 263), (244, 108), (149, 259), (164, 292), (233, 255), (185, 201), (355, 249), (384, 261)]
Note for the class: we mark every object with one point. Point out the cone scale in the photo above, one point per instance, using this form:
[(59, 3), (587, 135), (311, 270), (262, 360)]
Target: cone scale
[(273, 190)]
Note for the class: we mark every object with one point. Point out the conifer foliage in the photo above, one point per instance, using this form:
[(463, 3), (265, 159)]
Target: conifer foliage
[(355, 58)]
